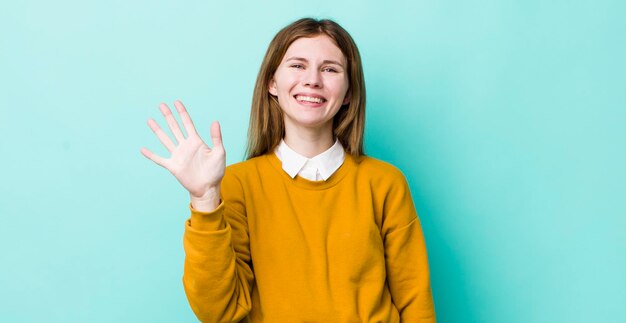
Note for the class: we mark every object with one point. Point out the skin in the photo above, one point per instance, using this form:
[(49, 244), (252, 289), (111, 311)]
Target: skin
[(312, 67), (196, 166)]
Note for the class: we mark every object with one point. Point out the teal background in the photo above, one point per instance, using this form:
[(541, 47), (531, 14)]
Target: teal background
[(507, 118)]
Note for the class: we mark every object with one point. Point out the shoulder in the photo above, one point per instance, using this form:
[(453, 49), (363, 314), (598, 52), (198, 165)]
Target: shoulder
[(241, 177), (247, 171), (245, 167), (390, 192), (385, 180), (378, 170)]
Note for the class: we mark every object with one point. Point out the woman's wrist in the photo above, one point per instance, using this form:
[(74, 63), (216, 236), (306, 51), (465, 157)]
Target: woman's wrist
[(208, 202)]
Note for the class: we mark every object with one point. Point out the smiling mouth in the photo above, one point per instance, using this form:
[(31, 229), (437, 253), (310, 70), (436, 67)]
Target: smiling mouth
[(304, 98)]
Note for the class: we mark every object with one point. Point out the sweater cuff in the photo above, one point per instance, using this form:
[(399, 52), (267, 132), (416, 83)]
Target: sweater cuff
[(207, 221)]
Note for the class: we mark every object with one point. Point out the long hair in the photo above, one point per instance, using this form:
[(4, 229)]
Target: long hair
[(266, 117)]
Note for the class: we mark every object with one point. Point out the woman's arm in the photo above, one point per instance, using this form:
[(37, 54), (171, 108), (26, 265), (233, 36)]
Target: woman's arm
[(217, 276), (406, 256)]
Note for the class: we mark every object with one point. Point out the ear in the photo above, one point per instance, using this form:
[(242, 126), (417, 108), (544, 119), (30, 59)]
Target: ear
[(272, 87), (346, 100)]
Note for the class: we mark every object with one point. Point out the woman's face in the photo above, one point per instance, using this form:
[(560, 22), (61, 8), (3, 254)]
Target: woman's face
[(311, 83)]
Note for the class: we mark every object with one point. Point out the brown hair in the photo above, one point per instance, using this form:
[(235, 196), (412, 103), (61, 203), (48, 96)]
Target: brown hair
[(266, 117)]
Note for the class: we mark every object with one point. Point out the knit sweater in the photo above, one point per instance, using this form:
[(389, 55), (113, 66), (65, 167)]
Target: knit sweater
[(281, 249)]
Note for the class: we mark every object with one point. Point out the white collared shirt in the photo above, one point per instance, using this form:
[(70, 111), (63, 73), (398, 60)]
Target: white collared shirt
[(318, 168)]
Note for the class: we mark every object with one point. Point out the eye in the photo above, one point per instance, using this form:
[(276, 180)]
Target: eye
[(300, 66), (329, 69)]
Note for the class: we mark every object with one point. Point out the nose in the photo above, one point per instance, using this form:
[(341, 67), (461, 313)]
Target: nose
[(313, 78)]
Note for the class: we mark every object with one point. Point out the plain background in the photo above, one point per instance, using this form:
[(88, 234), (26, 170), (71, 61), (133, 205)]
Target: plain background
[(507, 118)]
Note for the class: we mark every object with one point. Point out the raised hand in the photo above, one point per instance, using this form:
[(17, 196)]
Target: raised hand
[(196, 166)]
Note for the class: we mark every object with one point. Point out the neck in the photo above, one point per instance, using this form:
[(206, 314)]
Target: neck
[(309, 142)]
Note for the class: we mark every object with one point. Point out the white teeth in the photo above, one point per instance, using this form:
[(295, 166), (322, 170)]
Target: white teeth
[(309, 99)]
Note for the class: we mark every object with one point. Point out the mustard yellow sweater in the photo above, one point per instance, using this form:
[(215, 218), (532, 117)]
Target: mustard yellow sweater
[(278, 249)]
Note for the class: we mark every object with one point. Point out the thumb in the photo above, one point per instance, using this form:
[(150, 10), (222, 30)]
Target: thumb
[(216, 134)]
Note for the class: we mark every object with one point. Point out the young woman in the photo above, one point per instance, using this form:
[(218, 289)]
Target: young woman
[(308, 229)]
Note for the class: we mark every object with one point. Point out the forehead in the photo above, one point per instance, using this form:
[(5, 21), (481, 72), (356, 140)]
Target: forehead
[(316, 48)]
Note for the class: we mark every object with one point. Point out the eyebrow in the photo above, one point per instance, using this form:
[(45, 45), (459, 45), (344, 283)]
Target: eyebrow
[(326, 61)]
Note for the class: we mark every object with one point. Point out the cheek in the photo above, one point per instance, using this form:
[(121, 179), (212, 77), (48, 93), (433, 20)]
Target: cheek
[(341, 87), (285, 89)]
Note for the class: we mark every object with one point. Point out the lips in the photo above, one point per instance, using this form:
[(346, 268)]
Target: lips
[(310, 98)]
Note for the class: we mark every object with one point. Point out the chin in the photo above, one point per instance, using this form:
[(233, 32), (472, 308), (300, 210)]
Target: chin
[(310, 123)]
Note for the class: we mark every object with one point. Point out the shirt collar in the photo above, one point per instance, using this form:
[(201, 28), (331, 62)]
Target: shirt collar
[(327, 162)]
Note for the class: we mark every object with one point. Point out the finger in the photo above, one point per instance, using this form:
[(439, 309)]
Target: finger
[(163, 137), (216, 134), (153, 157), (184, 116), (171, 122)]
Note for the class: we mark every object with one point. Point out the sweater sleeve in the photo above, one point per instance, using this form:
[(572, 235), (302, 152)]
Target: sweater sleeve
[(218, 276), (405, 255)]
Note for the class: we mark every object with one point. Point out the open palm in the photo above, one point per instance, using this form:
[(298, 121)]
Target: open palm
[(196, 166)]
